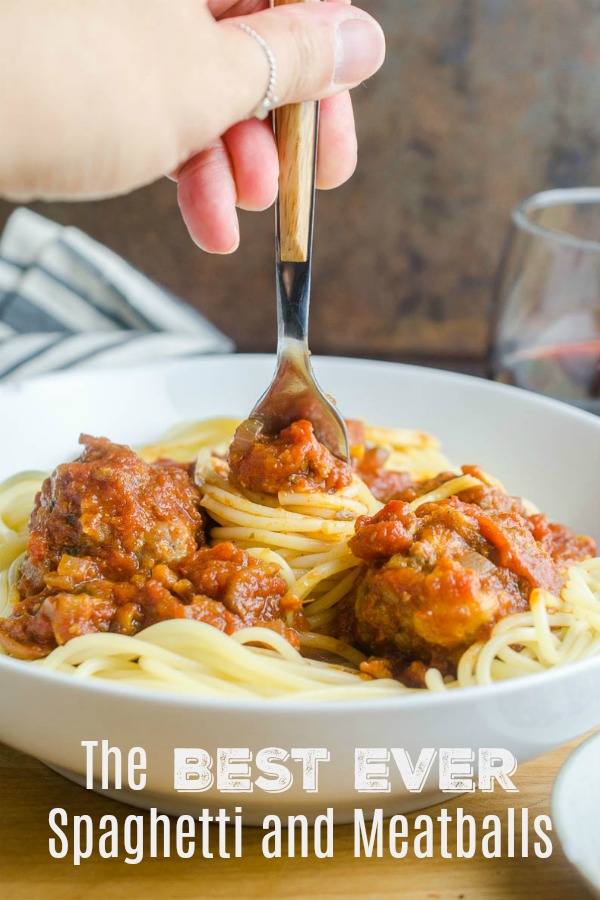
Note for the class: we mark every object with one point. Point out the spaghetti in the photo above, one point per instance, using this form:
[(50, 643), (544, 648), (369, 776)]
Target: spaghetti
[(308, 539)]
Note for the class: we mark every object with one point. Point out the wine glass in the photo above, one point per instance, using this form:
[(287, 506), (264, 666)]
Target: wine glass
[(546, 334)]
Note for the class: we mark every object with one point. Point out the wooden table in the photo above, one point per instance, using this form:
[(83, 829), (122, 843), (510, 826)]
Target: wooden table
[(29, 790)]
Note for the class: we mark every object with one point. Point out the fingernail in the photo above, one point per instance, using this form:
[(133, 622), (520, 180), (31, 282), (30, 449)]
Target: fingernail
[(359, 50)]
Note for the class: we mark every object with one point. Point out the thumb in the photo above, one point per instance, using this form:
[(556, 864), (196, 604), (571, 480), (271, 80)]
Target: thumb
[(320, 49)]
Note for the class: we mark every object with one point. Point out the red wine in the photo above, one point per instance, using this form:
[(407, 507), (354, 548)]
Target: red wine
[(569, 372)]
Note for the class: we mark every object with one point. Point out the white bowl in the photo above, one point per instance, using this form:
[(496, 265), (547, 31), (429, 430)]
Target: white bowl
[(541, 449), (575, 804)]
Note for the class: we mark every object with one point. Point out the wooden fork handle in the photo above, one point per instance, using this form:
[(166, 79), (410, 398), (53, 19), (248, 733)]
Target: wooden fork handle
[(295, 127)]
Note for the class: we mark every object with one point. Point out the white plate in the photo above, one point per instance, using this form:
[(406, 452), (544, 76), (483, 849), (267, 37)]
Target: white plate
[(544, 450), (575, 810)]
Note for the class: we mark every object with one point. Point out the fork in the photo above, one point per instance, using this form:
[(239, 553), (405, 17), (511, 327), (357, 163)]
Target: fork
[(294, 392)]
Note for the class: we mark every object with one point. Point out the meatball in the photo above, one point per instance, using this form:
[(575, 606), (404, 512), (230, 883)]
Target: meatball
[(438, 577), (247, 587), (111, 507), (116, 545), (294, 460), (222, 586)]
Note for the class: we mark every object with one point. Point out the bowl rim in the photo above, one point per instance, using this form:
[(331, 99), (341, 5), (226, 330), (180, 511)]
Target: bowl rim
[(496, 690), (528, 397)]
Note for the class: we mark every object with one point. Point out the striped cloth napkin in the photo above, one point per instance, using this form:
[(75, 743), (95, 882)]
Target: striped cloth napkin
[(68, 302)]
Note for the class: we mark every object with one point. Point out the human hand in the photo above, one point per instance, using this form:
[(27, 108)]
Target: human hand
[(240, 168), (107, 96)]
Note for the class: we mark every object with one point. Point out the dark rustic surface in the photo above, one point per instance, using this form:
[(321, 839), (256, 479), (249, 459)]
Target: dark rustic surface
[(481, 102)]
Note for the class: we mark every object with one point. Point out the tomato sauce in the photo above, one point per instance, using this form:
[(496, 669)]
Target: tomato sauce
[(292, 461), (437, 578), (117, 544)]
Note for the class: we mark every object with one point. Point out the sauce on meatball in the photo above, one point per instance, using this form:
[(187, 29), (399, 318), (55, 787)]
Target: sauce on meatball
[(436, 578), (294, 460), (117, 544)]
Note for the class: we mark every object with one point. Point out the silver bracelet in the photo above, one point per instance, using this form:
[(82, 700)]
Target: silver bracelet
[(269, 100)]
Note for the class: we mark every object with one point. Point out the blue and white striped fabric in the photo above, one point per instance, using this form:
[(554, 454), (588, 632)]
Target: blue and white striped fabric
[(67, 301)]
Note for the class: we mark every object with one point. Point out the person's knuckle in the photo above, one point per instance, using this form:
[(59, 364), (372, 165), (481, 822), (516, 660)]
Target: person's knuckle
[(307, 52)]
